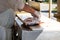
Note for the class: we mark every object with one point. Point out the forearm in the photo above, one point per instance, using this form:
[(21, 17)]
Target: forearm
[(29, 9)]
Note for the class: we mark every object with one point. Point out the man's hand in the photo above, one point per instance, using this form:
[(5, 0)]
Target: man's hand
[(36, 14)]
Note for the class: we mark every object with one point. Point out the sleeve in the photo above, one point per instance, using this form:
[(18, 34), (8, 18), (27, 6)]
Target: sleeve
[(16, 4), (21, 4)]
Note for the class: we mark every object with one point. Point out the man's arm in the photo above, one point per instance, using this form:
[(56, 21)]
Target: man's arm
[(29, 9), (20, 5)]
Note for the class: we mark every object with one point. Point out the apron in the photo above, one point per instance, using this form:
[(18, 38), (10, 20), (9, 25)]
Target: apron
[(7, 18)]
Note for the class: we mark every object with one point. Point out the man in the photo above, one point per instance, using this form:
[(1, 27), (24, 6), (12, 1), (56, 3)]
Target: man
[(7, 8), (20, 4)]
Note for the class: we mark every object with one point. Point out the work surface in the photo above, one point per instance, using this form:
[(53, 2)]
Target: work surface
[(49, 24), (51, 29)]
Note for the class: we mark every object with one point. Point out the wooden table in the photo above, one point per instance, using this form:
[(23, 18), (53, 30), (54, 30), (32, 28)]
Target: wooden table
[(51, 30), (27, 34)]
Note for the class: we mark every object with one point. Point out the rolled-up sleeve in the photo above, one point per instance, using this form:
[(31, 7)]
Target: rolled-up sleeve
[(16, 4), (21, 4)]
